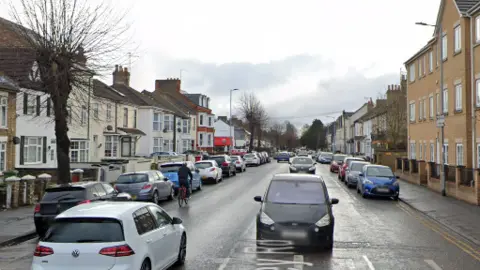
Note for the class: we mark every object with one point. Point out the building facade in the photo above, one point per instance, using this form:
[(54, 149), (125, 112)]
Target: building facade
[(8, 117)]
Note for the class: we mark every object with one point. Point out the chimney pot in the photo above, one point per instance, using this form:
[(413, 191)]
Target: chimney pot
[(116, 68), (125, 69)]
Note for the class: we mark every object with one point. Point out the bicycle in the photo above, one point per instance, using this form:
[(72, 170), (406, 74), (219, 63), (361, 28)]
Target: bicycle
[(182, 196)]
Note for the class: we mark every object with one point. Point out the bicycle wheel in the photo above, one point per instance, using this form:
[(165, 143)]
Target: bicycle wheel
[(181, 195)]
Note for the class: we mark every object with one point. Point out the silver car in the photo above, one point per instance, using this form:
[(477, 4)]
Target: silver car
[(239, 163), (252, 159), (146, 186), (353, 171)]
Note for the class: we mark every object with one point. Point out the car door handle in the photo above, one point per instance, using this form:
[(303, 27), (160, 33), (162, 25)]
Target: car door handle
[(149, 241)]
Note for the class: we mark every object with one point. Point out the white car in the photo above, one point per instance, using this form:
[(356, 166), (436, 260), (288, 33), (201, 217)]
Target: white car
[(112, 235), (252, 159), (239, 163), (209, 170)]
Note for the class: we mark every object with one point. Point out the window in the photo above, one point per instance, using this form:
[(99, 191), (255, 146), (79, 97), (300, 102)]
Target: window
[(167, 145), (444, 47), (438, 104), (128, 147), (3, 112), (424, 64), (459, 154), (478, 154), (157, 145), (135, 119), (31, 103), (32, 150), (209, 121), (157, 122), (420, 110), (424, 151), (420, 152), (125, 117), (79, 151), (95, 110), (458, 97), (185, 126), (445, 100), (431, 107), (477, 83), (111, 146), (432, 152), (168, 122), (412, 151), (83, 116), (298, 192), (184, 145), (438, 53), (200, 139), (424, 109), (430, 61), (3, 156), (457, 38), (445, 153), (412, 112), (412, 72), (209, 139), (420, 72), (109, 112), (201, 120), (477, 30)]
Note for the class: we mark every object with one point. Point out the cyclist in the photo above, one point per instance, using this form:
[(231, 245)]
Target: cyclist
[(184, 174)]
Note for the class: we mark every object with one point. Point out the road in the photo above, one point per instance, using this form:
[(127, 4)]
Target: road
[(369, 234)]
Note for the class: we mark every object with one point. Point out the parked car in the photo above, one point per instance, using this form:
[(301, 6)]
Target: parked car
[(337, 161), (378, 181), (170, 170), (296, 208), (252, 159), (325, 158), (353, 171), (239, 163), (120, 235), (209, 171), (344, 167), (283, 156), (238, 152), (226, 163), (62, 197), (302, 164), (262, 157), (150, 186), (267, 157)]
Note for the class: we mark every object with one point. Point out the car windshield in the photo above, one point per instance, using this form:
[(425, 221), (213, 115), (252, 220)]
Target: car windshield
[(93, 230), (339, 157), (55, 194), (304, 161), (235, 157), (284, 154), (357, 167), (132, 178), (379, 172), (249, 156), (170, 168), (203, 165), (350, 160), (327, 155), (295, 192)]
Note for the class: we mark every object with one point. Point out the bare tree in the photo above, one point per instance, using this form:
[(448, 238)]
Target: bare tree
[(395, 118), (253, 113), (277, 130), (72, 41)]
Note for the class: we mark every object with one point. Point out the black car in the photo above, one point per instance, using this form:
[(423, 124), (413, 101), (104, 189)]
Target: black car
[(60, 198), (296, 208), (226, 163), (302, 164)]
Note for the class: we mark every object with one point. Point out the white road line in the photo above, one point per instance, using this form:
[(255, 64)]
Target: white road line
[(232, 251), (299, 259), (369, 263), (433, 264)]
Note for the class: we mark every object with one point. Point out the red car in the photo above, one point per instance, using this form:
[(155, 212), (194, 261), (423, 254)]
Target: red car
[(346, 163), (337, 160)]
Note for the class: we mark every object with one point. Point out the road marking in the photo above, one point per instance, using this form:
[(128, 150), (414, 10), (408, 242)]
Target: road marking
[(232, 251), (452, 239), (299, 260), (350, 264), (433, 264), (224, 264), (369, 263)]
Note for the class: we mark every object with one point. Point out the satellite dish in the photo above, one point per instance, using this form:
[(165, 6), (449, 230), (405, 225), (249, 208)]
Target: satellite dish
[(109, 128)]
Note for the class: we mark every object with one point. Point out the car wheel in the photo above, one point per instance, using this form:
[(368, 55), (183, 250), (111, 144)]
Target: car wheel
[(235, 172), (329, 244), (200, 186), (146, 265), (182, 251), (395, 198), (155, 197), (172, 194), (358, 190), (364, 195)]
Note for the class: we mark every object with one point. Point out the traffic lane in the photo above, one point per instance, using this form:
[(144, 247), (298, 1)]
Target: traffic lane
[(18, 257), (390, 234)]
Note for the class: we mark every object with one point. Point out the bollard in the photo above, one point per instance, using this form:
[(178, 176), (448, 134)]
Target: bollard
[(77, 175), (12, 191), (41, 184)]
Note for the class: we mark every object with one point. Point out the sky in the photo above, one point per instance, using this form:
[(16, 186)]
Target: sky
[(303, 59)]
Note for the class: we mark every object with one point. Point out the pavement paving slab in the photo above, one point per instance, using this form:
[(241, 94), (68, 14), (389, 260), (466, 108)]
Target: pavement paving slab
[(16, 223)]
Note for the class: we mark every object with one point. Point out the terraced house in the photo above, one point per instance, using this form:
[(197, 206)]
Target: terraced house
[(461, 99)]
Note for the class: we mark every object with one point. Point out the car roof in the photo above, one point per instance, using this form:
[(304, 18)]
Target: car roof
[(206, 160), (377, 166), (293, 176), (115, 210), (173, 163), (344, 155), (83, 184), (355, 158), (136, 172), (361, 161)]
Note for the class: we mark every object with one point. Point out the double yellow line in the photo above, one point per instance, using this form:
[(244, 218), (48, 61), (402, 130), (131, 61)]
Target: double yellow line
[(467, 248)]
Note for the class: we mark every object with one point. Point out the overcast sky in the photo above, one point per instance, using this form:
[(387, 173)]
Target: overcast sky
[(303, 59)]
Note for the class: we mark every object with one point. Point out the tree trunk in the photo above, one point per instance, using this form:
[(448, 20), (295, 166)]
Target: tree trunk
[(62, 141), (252, 136), (259, 144)]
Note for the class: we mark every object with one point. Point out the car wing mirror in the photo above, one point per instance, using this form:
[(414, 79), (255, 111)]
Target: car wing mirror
[(176, 220), (258, 198), (166, 178), (360, 174), (334, 200)]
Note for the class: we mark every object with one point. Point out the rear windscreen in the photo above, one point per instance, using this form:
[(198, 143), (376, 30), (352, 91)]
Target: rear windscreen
[(339, 158), (203, 165), (219, 160), (295, 192), (249, 156), (357, 167), (54, 195), (85, 230), (170, 168), (132, 178)]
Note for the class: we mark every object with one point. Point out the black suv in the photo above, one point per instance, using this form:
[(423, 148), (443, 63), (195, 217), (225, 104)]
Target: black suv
[(226, 163), (63, 197)]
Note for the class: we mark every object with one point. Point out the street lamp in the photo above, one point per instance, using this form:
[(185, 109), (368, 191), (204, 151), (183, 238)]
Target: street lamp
[(441, 117), (230, 119)]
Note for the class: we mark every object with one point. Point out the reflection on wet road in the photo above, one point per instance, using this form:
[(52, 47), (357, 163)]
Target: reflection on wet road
[(369, 234)]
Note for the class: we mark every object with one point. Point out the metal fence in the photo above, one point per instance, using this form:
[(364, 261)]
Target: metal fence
[(450, 173), (406, 165), (467, 177), (414, 166)]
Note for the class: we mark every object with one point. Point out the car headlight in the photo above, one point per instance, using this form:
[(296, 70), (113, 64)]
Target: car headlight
[(324, 221), (395, 183), (312, 168), (293, 168), (266, 219), (367, 182)]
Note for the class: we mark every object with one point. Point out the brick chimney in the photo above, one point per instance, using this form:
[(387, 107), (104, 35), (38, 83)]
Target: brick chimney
[(169, 84), (121, 75)]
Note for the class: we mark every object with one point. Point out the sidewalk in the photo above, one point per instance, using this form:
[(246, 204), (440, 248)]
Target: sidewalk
[(16, 225), (461, 217)]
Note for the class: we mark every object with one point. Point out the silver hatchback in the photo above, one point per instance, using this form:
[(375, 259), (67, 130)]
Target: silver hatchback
[(146, 186)]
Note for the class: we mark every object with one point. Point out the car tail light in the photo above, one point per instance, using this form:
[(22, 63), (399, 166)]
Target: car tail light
[(86, 201), (212, 169), (224, 164), (42, 251), (147, 186), (116, 188), (117, 251), (334, 163), (37, 208), (238, 162)]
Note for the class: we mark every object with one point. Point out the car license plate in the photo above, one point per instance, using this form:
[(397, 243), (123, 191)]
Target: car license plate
[(294, 234), (204, 177), (383, 190)]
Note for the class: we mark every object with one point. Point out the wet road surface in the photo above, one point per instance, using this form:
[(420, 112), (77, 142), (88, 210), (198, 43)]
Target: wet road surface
[(369, 234)]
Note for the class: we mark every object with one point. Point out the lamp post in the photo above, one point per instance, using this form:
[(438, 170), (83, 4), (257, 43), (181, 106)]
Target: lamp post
[(230, 119), (441, 117)]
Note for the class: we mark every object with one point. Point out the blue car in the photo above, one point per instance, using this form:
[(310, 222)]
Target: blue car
[(283, 157), (170, 170), (378, 181), (325, 158)]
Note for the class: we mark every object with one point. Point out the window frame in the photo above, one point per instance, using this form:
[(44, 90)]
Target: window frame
[(158, 122), (431, 109), (3, 112), (3, 156), (432, 152), (430, 61), (457, 39), (459, 157), (411, 111), (445, 101), (79, 150), (125, 117), (38, 150), (157, 144), (114, 142), (458, 97), (444, 47)]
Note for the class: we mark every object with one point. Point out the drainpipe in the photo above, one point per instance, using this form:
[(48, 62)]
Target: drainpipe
[(174, 133), (88, 106), (473, 98)]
